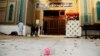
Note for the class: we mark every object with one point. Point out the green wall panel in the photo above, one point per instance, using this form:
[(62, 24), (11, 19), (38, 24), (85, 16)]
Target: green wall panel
[(85, 12), (21, 12), (98, 11)]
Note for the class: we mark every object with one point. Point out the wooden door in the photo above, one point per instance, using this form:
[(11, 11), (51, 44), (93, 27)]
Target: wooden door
[(55, 26)]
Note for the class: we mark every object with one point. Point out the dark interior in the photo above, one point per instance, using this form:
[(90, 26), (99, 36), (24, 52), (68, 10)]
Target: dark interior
[(51, 12)]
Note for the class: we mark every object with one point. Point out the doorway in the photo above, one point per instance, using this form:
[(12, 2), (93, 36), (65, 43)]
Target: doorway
[(54, 22)]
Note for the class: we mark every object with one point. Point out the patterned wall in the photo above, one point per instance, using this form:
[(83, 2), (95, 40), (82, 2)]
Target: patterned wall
[(30, 13), (3, 7), (20, 11)]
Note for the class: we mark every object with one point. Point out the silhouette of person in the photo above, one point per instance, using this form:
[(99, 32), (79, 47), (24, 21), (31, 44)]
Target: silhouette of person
[(45, 27), (32, 30), (36, 30)]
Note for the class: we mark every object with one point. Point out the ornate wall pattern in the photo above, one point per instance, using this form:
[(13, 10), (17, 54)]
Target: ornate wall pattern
[(19, 13), (30, 13), (3, 7), (2, 15)]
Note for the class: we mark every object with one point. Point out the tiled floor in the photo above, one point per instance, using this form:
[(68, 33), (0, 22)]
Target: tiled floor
[(59, 46)]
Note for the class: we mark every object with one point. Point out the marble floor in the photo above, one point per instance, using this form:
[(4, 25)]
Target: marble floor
[(59, 46)]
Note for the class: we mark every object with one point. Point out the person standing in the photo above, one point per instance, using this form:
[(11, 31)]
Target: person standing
[(20, 27), (45, 27), (36, 30), (32, 30)]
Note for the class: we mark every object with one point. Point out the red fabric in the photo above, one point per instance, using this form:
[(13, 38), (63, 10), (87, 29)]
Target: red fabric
[(72, 13)]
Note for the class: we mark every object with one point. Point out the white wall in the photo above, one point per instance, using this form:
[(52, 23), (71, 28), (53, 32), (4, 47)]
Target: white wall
[(7, 29), (28, 29)]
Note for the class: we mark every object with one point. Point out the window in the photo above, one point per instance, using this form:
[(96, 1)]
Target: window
[(11, 10), (62, 12)]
